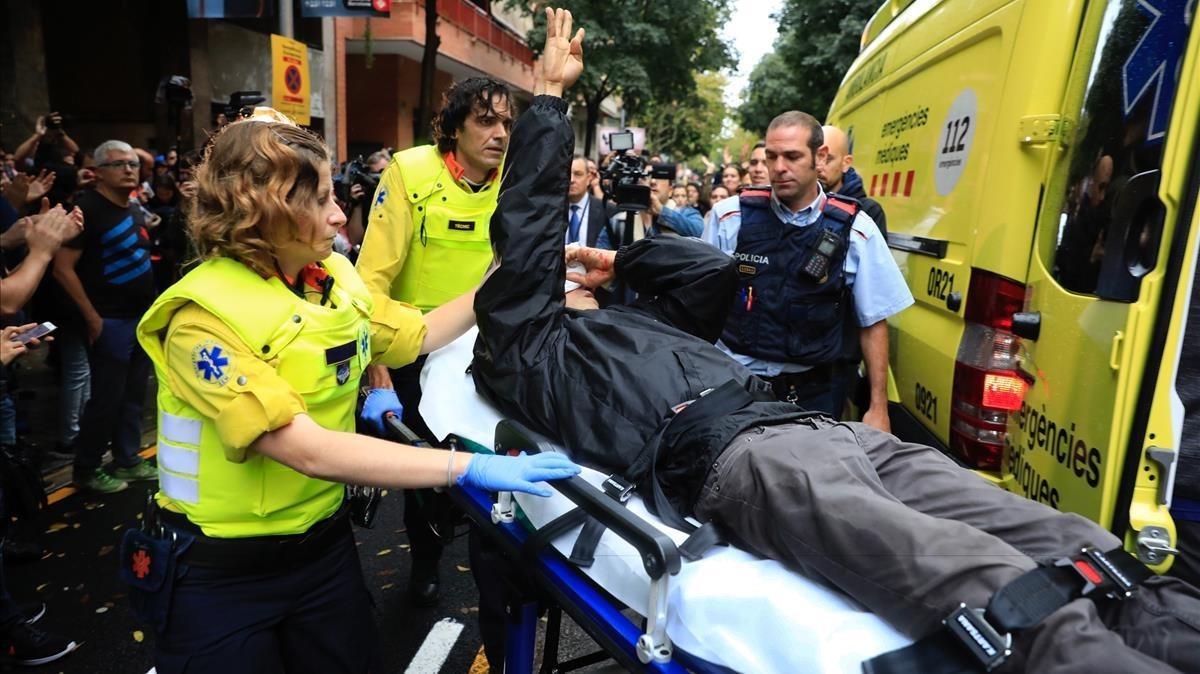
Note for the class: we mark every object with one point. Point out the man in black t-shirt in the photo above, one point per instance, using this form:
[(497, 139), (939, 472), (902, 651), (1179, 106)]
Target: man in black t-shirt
[(106, 271)]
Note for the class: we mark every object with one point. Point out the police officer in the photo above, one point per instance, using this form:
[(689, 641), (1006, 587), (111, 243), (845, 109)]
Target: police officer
[(428, 242), (246, 562), (801, 254)]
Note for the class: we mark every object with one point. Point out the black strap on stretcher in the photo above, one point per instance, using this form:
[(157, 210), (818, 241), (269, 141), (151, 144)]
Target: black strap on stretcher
[(658, 552), (718, 402), (980, 640)]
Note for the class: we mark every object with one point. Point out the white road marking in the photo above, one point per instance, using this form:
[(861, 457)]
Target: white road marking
[(436, 647)]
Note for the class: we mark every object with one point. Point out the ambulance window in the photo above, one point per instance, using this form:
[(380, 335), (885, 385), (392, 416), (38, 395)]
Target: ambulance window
[(1110, 222)]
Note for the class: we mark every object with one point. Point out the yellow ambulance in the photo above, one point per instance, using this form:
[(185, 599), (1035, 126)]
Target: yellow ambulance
[(1039, 163)]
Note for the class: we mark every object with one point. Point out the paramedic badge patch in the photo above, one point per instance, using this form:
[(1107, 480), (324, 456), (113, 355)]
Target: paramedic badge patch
[(343, 372), (211, 363)]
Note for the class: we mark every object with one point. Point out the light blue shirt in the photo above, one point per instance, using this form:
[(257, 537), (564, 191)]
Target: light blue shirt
[(879, 288)]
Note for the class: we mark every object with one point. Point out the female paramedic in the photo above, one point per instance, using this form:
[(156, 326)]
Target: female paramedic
[(246, 561)]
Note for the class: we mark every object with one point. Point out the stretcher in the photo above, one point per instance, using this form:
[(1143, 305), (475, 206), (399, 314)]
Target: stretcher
[(730, 611)]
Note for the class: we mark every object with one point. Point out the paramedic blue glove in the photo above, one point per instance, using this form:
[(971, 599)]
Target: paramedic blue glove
[(379, 402), (517, 473)]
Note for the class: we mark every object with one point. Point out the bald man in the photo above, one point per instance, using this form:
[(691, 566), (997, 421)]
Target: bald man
[(838, 175)]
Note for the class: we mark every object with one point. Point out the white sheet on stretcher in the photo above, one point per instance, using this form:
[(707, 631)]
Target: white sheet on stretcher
[(730, 608)]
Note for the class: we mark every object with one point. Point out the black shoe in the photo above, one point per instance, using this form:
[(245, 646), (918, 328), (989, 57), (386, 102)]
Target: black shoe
[(424, 586), (26, 645), (21, 552)]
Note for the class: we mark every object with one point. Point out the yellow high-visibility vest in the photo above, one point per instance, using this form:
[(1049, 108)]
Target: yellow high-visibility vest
[(321, 350)]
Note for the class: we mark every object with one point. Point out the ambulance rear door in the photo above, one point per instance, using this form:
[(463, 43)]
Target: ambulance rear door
[(1108, 223)]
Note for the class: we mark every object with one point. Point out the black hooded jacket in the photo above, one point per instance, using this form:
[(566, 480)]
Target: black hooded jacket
[(602, 381)]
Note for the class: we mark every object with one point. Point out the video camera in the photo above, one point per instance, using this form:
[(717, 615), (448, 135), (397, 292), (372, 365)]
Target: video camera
[(624, 179), (241, 104), (356, 173)]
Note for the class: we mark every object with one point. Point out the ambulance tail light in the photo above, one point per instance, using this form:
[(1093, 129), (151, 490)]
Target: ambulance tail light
[(987, 385)]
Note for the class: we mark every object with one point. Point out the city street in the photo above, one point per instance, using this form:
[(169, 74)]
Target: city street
[(78, 581)]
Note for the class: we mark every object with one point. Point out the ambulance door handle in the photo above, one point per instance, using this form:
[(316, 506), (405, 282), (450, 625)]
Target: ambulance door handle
[(1114, 356), (1027, 324)]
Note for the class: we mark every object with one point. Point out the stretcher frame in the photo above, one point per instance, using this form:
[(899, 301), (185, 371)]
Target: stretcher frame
[(562, 587)]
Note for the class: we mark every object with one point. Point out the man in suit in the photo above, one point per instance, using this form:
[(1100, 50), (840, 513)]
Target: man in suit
[(587, 216)]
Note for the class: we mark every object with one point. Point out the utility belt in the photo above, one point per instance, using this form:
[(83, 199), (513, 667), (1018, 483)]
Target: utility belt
[(257, 553), (791, 387), (981, 639)]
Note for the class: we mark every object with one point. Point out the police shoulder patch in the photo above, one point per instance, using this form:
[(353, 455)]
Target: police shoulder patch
[(212, 363)]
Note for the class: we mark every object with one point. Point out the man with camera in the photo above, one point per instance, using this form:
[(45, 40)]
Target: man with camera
[(427, 242)]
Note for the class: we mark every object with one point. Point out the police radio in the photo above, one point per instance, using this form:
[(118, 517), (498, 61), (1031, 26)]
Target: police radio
[(817, 264)]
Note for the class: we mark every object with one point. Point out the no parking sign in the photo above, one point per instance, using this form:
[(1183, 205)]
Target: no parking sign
[(290, 81)]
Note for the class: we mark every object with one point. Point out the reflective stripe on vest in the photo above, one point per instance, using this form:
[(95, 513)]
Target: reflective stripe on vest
[(451, 244), (258, 496), (779, 313)]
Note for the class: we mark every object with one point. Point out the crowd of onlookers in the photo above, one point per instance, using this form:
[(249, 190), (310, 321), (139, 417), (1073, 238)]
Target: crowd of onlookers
[(90, 236)]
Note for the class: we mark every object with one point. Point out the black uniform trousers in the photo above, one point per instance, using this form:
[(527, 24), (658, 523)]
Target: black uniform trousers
[(315, 618), (426, 547)]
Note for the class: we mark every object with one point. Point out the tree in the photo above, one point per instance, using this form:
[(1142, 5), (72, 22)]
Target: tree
[(818, 40), (642, 50), (424, 112), (689, 126)]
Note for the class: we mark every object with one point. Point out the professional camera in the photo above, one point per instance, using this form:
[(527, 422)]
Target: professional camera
[(241, 104), (356, 173), (624, 181)]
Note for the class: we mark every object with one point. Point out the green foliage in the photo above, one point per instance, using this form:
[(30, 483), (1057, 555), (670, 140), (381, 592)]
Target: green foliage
[(641, 50), (818, 40), (688, 126)]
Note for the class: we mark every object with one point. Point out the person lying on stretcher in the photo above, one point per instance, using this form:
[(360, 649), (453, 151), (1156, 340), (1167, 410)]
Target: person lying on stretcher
[(897, 526)]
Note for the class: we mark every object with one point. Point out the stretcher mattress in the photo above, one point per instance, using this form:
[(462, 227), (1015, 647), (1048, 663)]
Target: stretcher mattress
[(731, 608)]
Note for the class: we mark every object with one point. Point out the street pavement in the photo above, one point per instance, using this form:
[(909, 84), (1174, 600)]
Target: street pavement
[(77, 575), (77, 578)]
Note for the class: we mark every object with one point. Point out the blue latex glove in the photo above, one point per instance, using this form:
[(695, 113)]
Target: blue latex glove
[(517, 473), (379, 402)]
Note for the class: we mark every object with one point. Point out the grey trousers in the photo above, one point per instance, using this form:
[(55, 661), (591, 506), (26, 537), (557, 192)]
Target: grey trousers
[(909, 534)]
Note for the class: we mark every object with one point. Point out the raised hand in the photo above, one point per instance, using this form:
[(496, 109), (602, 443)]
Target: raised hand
[(562, 55), (40, 186), (49, 230)]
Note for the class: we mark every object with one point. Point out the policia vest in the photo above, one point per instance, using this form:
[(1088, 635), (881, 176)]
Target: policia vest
[(781, 313), (321, 350), (451, 246)]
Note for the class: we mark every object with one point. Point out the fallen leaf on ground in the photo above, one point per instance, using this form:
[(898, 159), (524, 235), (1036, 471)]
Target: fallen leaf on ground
[(104, 550), (387, 586), (462, 568), (102, 609), (138, 636), (42, 587), (57, 526), (385, 551)]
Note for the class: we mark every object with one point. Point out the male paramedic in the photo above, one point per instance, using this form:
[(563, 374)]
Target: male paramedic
[(427, 243), (641, 390), (813, 272)]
